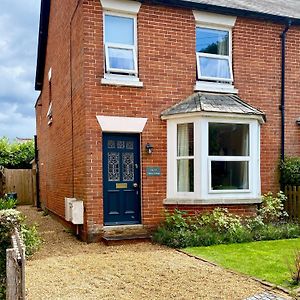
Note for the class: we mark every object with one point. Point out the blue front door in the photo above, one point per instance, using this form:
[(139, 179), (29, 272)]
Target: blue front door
[(121, 179)]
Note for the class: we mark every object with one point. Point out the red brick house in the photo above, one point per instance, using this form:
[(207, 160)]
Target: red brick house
[(148, 105)]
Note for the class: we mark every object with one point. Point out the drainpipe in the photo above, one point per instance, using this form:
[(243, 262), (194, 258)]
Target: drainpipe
[(282, 103), (36, 156)]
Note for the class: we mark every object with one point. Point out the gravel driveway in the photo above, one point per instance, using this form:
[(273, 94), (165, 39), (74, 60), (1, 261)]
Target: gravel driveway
[(66, 268)]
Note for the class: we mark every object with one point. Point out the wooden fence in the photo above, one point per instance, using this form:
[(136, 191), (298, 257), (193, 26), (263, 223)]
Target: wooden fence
[(15, 269), (292, 205), (21, 182)]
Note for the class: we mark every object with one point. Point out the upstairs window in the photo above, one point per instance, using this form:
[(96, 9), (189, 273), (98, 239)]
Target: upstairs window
[(120, 44), (213, 51)]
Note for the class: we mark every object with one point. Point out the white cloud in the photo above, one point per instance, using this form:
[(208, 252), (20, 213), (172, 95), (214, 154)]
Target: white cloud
[(18, 46), (14, 124)]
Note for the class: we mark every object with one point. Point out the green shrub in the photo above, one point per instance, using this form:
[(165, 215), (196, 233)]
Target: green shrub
[(220, 220), (272, 208), (222, 227), (290, 171), (31, 238), (7, 203)]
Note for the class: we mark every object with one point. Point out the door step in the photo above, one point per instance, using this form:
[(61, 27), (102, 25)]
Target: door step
[(125, 239), (125, 234)]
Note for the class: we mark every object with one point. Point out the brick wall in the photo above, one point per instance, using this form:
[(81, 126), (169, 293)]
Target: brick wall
[(166, 43)]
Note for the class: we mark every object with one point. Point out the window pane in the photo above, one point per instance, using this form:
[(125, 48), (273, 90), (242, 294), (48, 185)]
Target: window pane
[(214, 67), (121, 58), (185, 139), (119, 30), (185, 175), (212, 41), (228, 139), (229, 175)]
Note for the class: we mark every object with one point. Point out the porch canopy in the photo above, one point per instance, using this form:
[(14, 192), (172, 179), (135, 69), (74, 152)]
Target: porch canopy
[(213, 103)]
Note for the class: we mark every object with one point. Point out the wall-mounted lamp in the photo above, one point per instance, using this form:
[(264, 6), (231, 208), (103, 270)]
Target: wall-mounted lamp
[(149, 148), (298, 121)]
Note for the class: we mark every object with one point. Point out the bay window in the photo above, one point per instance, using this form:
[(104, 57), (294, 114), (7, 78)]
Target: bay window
[(213, 160)]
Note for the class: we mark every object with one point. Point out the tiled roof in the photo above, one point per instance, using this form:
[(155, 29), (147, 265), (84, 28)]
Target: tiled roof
[(283, 8), (217, 103)]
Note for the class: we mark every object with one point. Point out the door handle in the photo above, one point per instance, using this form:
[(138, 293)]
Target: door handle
[(135, 185)]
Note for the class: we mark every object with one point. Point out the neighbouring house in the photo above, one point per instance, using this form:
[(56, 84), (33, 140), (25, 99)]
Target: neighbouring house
[(153, 105)]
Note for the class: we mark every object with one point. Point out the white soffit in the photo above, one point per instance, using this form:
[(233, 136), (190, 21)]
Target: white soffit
[(126, 6), (207, 18), (121, 124)]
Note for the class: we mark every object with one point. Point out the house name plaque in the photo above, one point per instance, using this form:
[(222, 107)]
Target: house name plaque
[(153, 171)]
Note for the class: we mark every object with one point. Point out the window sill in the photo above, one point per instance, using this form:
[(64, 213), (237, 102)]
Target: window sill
[(218, 201), (204, 86), (122, 81)]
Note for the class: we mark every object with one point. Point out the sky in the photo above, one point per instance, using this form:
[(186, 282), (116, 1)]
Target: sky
[(19, 20)]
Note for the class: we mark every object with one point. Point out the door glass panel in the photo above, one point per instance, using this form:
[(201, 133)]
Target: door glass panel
[(128, 166), (111, 144), (120, 144), (113, 166), (129, 145)]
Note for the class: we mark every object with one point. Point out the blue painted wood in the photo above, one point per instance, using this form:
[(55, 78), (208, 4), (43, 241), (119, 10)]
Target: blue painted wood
[(121, 179)]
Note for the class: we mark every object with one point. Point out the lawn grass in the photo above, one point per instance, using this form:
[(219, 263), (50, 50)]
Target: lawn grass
[(267, 260)]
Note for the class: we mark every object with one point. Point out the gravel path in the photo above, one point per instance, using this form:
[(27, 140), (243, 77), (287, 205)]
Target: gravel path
[(66, 268)]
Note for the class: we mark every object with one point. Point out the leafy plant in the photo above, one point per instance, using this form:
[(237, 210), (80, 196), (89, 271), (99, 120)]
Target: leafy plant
[(290, 171), (272, 209), (222, 227), (7, 203), (15, 154)]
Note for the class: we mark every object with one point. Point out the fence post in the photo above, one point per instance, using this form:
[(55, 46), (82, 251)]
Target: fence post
[(12, 276)]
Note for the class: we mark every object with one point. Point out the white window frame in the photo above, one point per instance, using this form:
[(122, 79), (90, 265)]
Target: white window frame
[(188, 157), (203, 194), (208, 55), (110, 69), (218, 56), (107, 68)]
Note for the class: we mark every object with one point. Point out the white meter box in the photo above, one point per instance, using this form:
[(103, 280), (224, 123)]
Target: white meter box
[(74, 211)]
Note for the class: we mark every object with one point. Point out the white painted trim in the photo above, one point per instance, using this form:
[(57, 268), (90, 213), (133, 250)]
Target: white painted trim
[(206, 86), (233, 116), (121, 124), (216, 201), (126, 6), (122, 81), (212, 19)]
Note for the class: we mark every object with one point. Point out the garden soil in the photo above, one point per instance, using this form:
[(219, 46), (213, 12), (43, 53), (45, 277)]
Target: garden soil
[(65, 268)]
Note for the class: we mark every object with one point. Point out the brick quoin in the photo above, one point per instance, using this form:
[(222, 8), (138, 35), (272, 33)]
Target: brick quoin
[(70, 149)]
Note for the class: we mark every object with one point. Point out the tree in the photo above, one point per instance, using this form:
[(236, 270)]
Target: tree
[(16, 155)]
